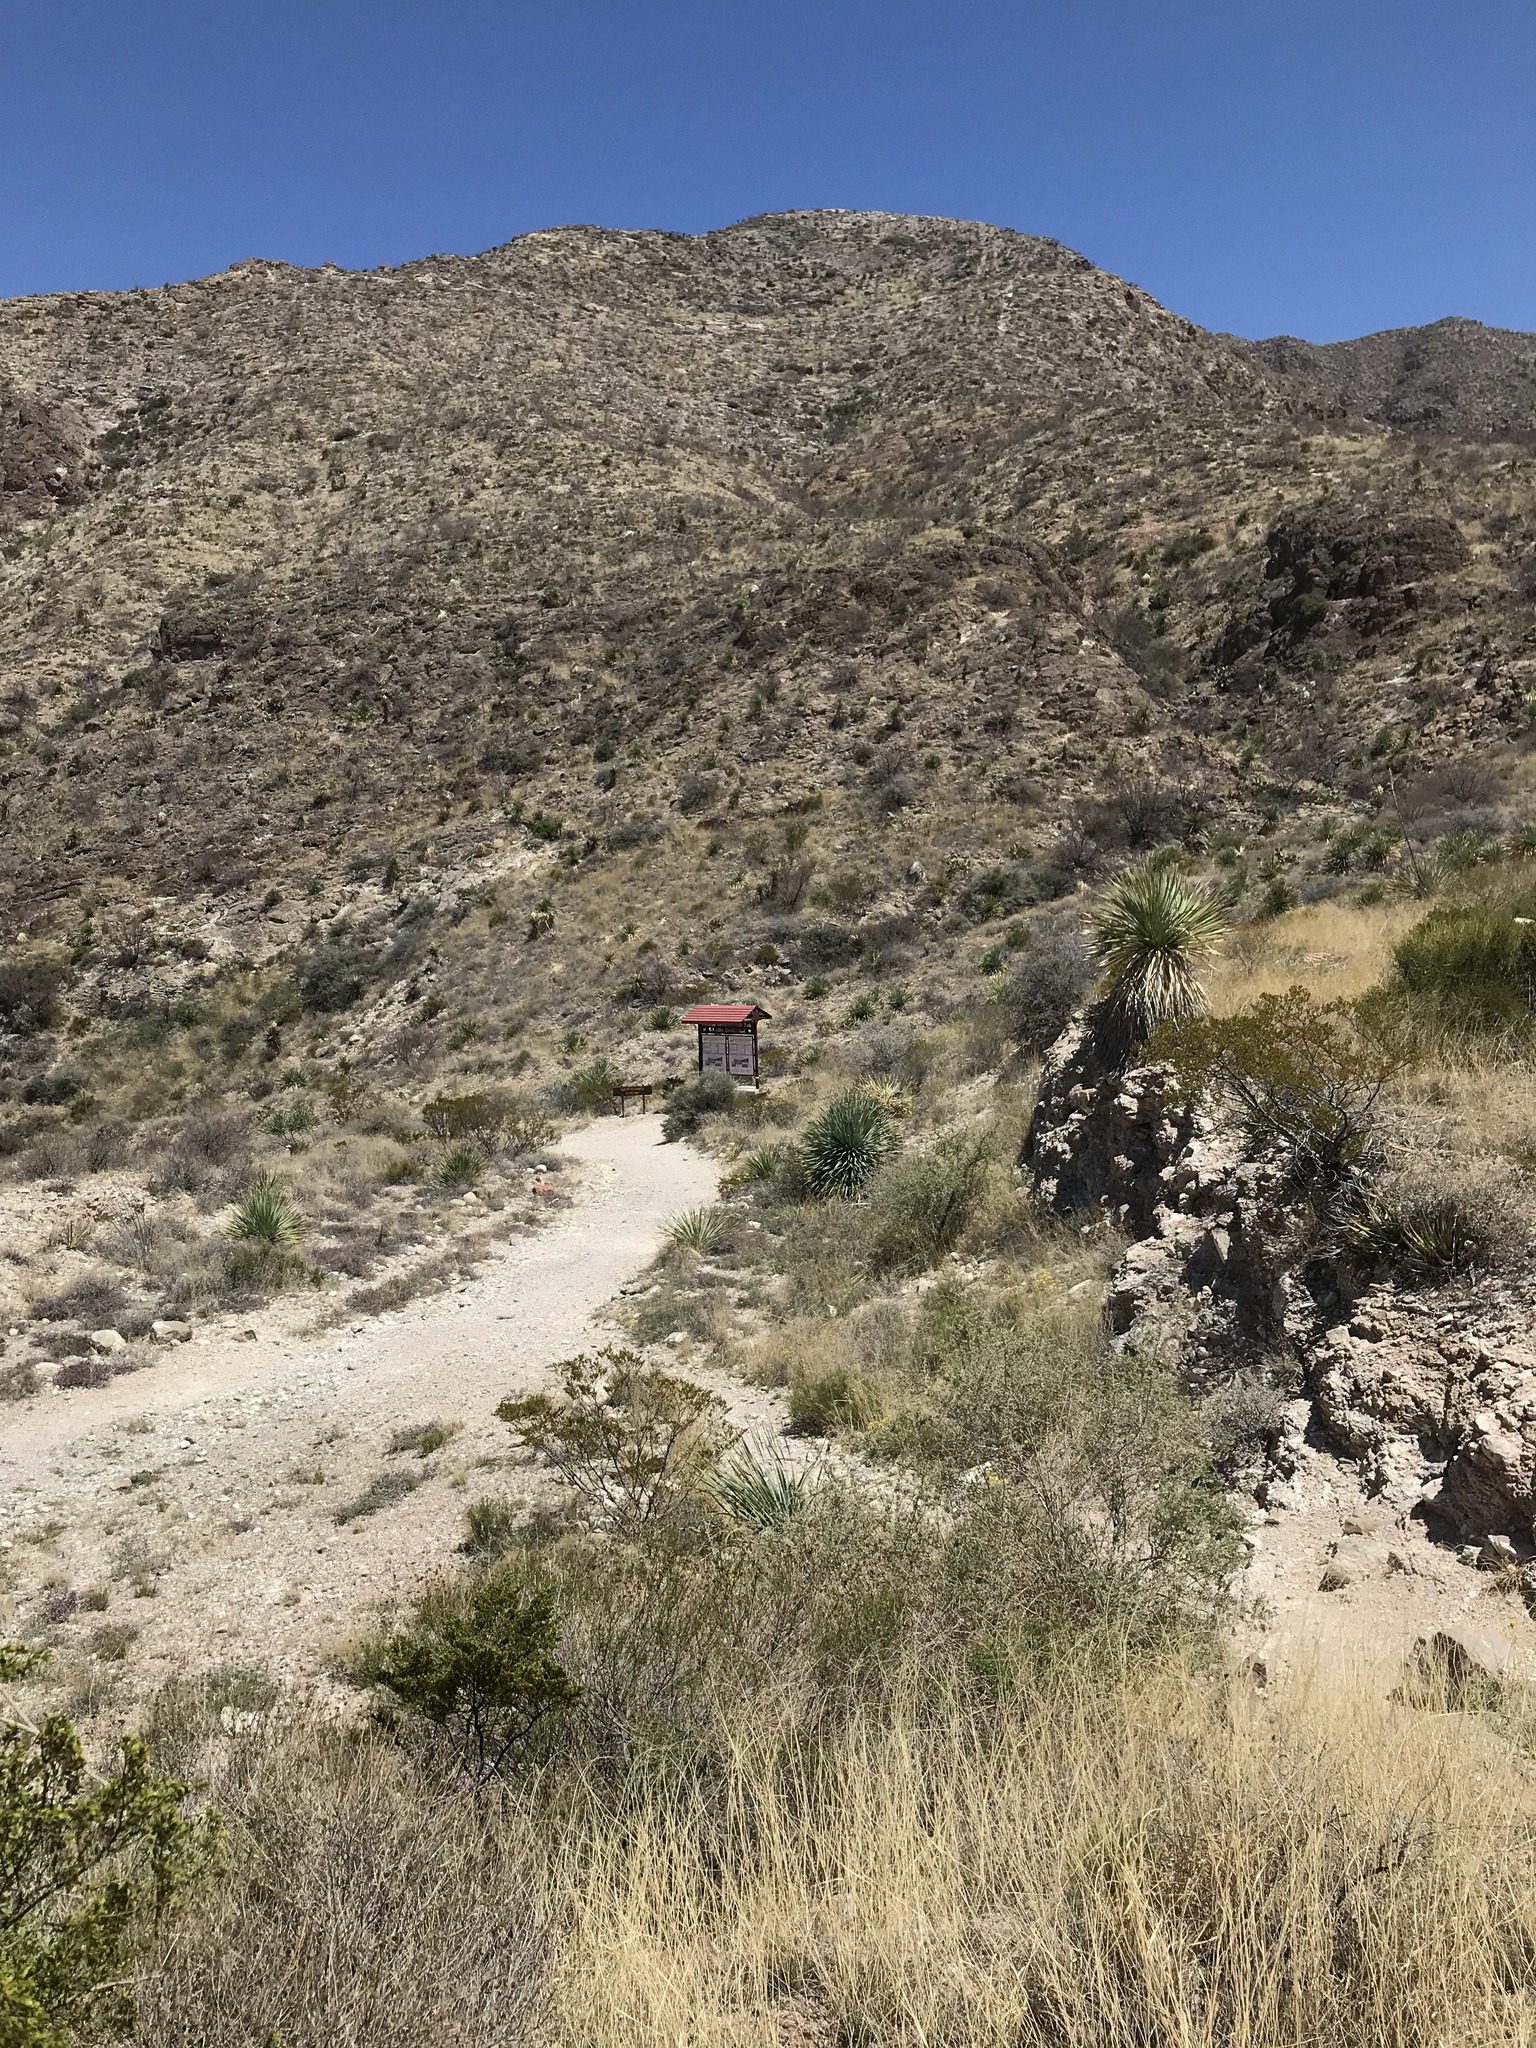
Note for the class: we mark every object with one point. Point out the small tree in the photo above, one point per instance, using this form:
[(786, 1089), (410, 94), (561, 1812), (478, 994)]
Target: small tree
[(1151, 929), (622, 1435), (82, 1858)]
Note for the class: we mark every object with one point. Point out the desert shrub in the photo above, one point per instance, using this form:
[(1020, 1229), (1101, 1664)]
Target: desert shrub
[(491, 1526), (1432, 1225), (92, 1297), (1243, 1421), (700, 1231), (1472, 965), (381, 1492), (424, 1437), (208, 1154), (18, 1380), (1050, 982), (248, 1272), (29, 993), (477, 1664), (621, 1435), (86, 1370), (845, 1145), (86, 1857), (922, 1205), (266, 1216), (331, 978), (823, 1400), (687, 1107), (290, 1119), (490, 1119), (1151, 929), (1301, 1075)]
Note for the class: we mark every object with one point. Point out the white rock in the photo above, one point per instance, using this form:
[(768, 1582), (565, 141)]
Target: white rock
[(108, 1341), (165, 1330)]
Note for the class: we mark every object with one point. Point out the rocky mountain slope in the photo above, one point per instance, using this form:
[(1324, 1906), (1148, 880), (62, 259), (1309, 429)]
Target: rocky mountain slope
[(1454, 377), (518, 640)]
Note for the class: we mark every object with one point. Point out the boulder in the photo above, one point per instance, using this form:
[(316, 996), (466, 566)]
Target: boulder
[(166, 1330), (107, 1341)]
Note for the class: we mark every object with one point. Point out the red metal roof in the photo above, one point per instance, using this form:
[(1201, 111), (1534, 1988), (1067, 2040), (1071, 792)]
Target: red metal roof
[(723, 1013)]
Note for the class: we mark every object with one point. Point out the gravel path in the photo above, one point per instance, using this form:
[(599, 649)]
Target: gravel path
[(215, 1477)]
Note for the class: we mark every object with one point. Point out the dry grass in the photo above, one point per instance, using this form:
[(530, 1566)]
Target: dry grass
[(1176, 1866), (1184, 1862), (1337, 950)]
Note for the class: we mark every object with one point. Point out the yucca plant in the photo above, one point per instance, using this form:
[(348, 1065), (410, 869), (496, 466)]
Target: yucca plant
[(700, 1231), (844, 1146), (265, 1215), (1150, 929), (761, 1492)]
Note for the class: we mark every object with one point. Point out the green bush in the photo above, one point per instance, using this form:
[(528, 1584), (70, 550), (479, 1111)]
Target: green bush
[(1428, 1230), (922, 1206), (459, 1167), (1301, 1075), (477, 1663), (687, 1107), (490, 1118), (845, 1145), (86, 1858), (700, 1231), (265, 1215), (592, 1086), (1472, 965), (823, 1402)]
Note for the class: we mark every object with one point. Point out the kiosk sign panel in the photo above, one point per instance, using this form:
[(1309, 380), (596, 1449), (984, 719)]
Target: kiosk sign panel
[(727, 1038)]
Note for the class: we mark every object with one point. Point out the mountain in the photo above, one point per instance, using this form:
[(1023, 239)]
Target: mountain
[(538, 634), (1455, 377)]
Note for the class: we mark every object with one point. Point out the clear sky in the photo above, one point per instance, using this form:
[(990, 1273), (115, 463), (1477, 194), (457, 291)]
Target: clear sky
[(1318, 167)]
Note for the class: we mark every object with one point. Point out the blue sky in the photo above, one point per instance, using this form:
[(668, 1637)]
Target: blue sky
[(1322, 167)]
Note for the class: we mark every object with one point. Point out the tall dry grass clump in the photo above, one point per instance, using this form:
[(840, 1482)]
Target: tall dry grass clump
[(1171, 1863)]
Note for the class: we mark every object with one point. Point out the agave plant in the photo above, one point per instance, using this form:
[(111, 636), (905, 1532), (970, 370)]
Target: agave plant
[(1150, 929), (700, 1231), (265, 1215), (844, 1146), (762, 1492)]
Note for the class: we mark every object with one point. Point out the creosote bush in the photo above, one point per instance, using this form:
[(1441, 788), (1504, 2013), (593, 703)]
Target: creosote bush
[(621, 1435), (1302, 1075)]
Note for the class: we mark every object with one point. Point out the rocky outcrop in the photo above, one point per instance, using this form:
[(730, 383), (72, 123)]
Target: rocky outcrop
[(1210, 1225), (1431, 1391)]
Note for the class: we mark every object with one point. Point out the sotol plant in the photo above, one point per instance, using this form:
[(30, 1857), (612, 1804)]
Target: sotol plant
[(1150, 930), (266, 1216), (845, 1145)]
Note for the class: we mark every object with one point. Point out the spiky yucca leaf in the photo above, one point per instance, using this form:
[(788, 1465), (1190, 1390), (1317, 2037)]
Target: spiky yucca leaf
[(1150, 929), (265, 1215), (844, 1146)]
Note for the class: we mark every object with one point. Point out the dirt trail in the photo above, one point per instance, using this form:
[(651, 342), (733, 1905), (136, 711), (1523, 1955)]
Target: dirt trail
[(215, 1477)]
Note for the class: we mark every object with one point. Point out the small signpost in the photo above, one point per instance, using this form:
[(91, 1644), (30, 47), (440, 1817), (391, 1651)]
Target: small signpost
[(727, 1038)]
